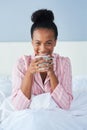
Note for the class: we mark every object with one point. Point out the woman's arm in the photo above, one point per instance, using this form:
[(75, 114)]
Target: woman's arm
[(62, 93), (21, 84), (53, 80), (22, 81), (26, 85)]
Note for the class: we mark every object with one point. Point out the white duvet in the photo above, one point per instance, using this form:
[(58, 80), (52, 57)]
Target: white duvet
[(45, 115)]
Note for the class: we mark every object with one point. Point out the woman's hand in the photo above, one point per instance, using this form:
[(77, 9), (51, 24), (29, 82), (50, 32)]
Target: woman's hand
[(35, 65), (41, 65)]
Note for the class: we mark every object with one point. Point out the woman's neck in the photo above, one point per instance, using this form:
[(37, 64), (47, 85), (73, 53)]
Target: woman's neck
[(43, 76)]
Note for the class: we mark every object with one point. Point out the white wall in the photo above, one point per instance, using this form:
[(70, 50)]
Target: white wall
[(77, 51)]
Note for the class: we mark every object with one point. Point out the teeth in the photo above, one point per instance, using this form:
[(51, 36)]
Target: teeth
[(46, 57)]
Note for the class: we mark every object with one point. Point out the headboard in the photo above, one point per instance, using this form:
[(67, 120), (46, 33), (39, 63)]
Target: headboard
[(11, 51)]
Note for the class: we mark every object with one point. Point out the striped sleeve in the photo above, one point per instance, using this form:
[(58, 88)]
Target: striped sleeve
[(19, 100), (62, 94)]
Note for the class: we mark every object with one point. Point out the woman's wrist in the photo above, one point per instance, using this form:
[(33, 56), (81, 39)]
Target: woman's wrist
[(29, 74), (51, 73)]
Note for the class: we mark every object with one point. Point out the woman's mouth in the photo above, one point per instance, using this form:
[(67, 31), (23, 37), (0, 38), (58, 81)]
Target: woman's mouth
[(43, 54)]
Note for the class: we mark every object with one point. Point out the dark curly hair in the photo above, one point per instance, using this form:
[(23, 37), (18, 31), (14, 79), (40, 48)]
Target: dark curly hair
[(43, 18)]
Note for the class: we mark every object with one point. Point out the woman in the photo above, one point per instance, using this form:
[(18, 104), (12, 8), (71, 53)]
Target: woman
[(34, 75)]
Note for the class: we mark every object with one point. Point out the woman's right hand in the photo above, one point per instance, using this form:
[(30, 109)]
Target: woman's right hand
[(33, 67), (37, 65)]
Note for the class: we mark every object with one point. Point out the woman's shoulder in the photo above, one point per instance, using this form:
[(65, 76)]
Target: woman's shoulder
[(61, 58), (21, 65), (24, 58), (23, 61), (62, 61)]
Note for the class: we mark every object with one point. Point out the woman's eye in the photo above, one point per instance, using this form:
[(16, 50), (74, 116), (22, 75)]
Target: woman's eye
[(37, 43), (48, 43)]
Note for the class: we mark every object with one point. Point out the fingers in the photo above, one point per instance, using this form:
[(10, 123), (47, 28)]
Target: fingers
[(41, 64), (45, 67)]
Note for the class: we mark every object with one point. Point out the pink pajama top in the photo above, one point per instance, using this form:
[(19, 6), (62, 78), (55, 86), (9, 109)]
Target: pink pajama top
[(62, 94)]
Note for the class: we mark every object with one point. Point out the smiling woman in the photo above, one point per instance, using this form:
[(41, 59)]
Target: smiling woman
[(34, 76), (43, 41)]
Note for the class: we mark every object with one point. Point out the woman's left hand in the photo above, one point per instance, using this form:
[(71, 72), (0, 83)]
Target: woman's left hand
[(47, 65), (50, 66)]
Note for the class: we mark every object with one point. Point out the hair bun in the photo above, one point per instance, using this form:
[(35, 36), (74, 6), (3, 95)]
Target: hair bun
[(42, 15)]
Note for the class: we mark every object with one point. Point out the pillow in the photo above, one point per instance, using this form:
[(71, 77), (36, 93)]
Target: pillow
[(79, 83), (5, 85)]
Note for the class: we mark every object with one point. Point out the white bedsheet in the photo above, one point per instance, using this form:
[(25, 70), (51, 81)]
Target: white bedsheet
[(46, 117), (44, 113)]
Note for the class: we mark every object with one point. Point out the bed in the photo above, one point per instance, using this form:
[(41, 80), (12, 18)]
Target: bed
[(43, 113)]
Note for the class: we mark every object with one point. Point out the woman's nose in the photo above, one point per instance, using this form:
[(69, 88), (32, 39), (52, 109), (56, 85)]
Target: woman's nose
[(42, 48)]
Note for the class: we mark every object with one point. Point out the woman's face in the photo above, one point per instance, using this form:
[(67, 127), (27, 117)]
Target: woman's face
[(43, 41)]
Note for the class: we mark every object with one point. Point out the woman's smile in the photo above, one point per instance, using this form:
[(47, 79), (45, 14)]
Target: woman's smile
[(43, 41)]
